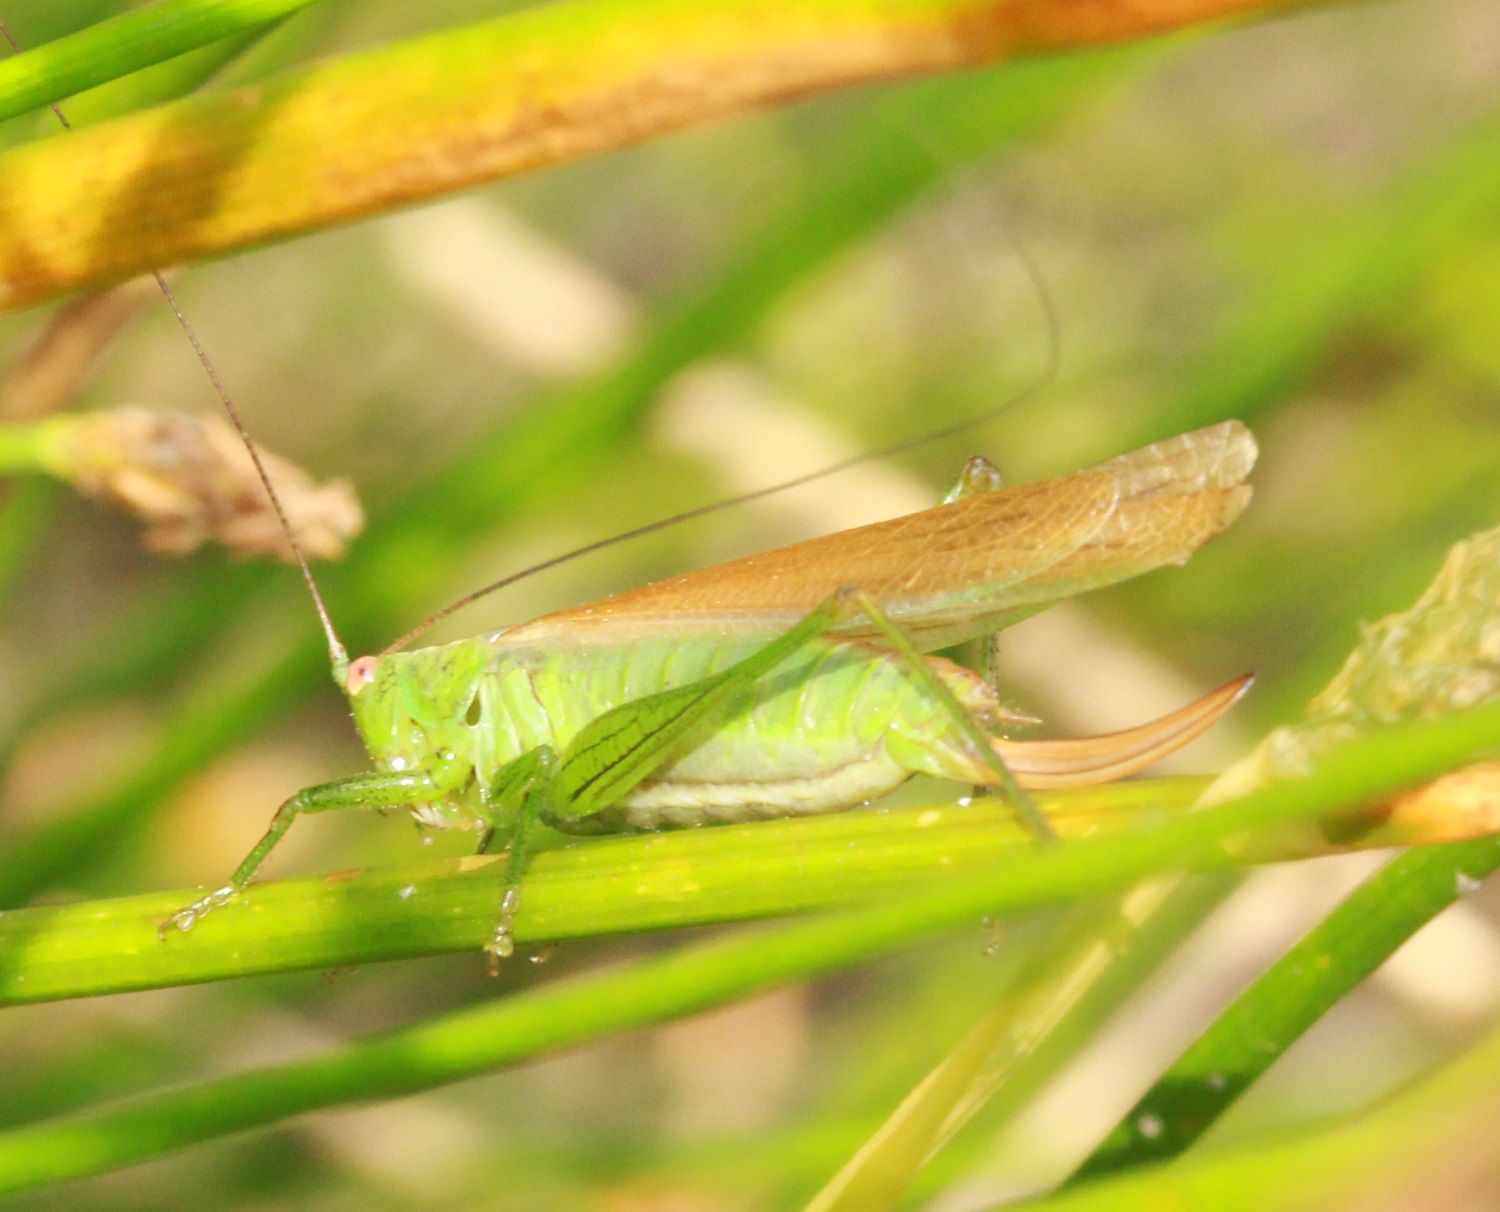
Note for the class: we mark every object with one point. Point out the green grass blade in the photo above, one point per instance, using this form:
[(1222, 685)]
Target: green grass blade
[(1392, 1157), (471, 1042), (1415, 664), (1020, 1041), (680, 879), (127, 43), (607, 886), (460, 1045), (1080, 985), (1296, 991)]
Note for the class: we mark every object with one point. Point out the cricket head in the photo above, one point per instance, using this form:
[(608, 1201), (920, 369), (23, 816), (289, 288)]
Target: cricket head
[(415, 709)]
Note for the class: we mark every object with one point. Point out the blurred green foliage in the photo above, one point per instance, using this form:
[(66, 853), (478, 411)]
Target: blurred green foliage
[(1292, 223)]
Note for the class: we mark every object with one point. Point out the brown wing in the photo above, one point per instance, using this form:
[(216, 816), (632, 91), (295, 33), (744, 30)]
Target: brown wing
[(957, 570)]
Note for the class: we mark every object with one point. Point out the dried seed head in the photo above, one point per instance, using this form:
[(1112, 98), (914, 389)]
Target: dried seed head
[(190, 480), (1441, 655)]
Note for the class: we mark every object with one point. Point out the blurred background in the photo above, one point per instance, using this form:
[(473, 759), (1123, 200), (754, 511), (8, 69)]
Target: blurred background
[(1296, 223)]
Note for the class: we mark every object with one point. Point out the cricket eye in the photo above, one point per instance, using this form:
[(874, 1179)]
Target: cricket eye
[(361, 674)]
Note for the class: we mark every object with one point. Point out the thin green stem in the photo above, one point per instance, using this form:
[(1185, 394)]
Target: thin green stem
[(1392, 1157), (602, 886), (23, 449), (488, 1036), (127, 43), (1293, 994)]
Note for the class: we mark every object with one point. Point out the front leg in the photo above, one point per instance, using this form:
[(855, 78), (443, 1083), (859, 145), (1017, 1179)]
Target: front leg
[(358, 791)]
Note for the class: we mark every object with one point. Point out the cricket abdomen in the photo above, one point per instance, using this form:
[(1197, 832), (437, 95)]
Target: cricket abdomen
[(675, 801), (832, 728)]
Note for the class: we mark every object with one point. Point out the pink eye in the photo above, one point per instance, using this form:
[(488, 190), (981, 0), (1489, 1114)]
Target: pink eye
[(361, 674)]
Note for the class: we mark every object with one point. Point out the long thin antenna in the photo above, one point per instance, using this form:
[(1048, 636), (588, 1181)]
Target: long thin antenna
[(337, 655), (1047, 373)]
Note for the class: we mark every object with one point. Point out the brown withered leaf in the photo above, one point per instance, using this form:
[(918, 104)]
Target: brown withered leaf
[(1441, 655), (190, 480)]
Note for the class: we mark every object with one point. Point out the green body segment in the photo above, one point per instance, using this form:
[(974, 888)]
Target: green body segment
[(835, 725)]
